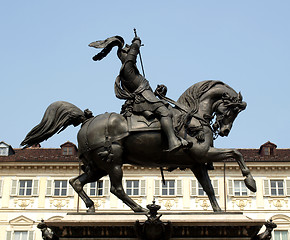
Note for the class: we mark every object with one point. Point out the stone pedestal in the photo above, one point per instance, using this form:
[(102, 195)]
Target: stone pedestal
[(185, 225)]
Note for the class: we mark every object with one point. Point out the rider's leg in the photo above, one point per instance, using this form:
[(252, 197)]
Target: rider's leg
[(167, 126)]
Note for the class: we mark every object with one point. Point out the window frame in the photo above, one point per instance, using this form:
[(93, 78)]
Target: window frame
[(231, 189), (67, 151), (10, 235), (268, 189), (280, 237), (196, 188), (97, 188), (178, 190), (15, 187), (50, 188)]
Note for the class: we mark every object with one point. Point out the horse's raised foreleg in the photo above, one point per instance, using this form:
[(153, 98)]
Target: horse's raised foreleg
[(219, 154), (201, 175), (77, 184)]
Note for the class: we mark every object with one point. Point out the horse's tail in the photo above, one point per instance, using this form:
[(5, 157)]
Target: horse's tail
[(57, 117)]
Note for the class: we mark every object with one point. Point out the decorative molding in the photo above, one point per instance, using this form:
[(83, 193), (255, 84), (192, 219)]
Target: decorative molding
[(59, 203), (99, 202), (279, 203), (202, 202), (21, 220), (23, 203), (168, 202), (242, 202)]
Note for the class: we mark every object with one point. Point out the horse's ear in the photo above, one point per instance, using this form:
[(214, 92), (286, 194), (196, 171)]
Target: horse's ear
[(240, 97)]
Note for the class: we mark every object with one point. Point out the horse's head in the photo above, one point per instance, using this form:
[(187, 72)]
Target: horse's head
[(226, 111)]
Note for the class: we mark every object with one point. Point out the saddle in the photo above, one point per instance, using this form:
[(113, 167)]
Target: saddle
[(137, 123)]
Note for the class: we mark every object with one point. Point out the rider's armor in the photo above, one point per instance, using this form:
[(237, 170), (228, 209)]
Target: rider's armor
[(131, 85)]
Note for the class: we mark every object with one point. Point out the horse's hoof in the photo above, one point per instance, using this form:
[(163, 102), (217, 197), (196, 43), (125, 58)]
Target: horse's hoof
[(250, 183), (91, 210), (217, 210), (140, 209)]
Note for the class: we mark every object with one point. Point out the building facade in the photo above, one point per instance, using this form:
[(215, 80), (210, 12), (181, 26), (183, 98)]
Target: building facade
[(34, 186)]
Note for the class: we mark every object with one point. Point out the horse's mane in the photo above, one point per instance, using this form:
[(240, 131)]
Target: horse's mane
[(190, 98)]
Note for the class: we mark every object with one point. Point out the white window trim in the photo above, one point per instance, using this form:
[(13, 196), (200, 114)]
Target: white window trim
[(267, 187), (194, 187), (142, 186), (178, 190), (50, 187), (106, 189), (15, 187), (231, 188), (10, 234)]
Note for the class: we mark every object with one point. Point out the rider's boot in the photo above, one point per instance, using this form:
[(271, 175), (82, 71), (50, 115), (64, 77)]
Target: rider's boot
[(174, 143)]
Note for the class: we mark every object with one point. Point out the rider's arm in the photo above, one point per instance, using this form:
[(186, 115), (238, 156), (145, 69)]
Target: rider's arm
[(130, 69)]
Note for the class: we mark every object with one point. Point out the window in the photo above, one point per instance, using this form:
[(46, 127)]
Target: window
[(170, 188), (60, 188), (240, 188), (267, 151), (197, 190), (67, 151), (132, 187), (201, 192), (96, 188), (281, 235), (19, 235), (27, 187), (135, 187), (277, 187), (3, 151)]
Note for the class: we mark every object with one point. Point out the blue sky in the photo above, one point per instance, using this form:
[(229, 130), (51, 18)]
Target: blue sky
[(45, 57)]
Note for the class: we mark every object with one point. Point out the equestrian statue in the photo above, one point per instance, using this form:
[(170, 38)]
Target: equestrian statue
[(151, 130)]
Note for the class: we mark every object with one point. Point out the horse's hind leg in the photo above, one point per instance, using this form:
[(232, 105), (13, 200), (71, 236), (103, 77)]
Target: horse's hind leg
[(201, 175), (78, 183), (116, 175)]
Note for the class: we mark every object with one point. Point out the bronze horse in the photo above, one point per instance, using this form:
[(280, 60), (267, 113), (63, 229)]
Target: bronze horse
[(105, 142)]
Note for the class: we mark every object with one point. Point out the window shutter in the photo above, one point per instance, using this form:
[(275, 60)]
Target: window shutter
[(215, 184), (193, 190), (70, 190), (9, 235), (157, 188), (14, 188), (143, 188), (49, 188), (30, 235), (179, 187), (1, 188), (230, 187), (266, 188), (288, 187), (106, 188), (35, 188)]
